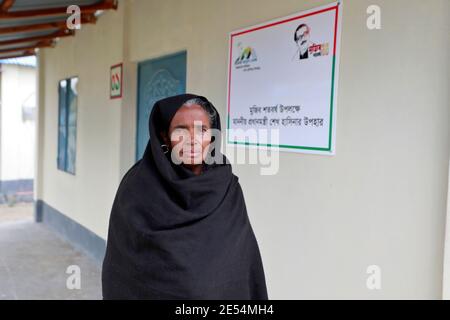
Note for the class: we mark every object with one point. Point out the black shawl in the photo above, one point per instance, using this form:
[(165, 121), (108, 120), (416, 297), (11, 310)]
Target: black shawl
[(175, 235)]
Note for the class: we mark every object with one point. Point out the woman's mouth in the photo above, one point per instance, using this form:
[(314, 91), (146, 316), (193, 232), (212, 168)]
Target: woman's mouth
[(194, 154)]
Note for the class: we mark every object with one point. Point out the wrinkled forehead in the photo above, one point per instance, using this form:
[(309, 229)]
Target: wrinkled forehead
[(165, 110), (190, 114)]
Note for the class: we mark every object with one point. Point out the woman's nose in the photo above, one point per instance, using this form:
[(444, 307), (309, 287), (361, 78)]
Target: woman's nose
[(195, 135)]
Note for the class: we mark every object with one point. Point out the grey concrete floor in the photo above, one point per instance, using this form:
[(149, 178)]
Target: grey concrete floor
[(19, 211), (34, 261)]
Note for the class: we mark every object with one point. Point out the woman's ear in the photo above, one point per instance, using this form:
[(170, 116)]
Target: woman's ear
[(164, 138)]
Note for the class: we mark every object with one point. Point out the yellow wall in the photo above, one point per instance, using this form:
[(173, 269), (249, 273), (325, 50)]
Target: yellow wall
[(321, 220)]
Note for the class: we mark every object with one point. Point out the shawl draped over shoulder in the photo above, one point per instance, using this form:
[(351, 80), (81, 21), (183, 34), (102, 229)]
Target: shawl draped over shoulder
[(176, 235)]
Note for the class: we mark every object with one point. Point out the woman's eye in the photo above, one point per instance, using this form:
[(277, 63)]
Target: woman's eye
[(202, 129), (181, 131), (178, 134)]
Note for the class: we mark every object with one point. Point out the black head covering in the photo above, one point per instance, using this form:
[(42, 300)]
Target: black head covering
[(159, 121), (175, 235)]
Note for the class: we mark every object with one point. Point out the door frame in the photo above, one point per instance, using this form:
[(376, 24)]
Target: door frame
[(139, 65)]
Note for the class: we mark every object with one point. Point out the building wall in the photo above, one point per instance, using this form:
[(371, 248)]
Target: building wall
[(18, 87), (17, 132), (87, 196), (321, 221)]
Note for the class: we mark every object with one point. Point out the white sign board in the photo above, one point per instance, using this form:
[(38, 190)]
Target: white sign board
[(282, 79)]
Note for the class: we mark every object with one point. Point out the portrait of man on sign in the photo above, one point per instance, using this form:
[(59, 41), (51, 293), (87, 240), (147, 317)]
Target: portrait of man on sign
[(301, 37)]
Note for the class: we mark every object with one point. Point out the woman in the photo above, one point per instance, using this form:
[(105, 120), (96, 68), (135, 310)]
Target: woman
[(179, 228)]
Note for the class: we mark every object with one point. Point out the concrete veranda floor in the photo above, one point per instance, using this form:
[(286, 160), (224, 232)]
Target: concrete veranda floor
[(34, 260)]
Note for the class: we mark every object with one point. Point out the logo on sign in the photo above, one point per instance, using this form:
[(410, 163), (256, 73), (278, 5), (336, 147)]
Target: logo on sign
[(116, 81), (247, 56)]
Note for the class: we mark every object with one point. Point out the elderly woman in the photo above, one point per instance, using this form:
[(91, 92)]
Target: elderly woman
[(179, 227)]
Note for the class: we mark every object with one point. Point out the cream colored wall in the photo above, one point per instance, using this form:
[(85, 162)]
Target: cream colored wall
[(321, 220), (87, 196), (446, 280)]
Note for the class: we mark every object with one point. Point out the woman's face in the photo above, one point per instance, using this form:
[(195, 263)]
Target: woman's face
[(189, 134)]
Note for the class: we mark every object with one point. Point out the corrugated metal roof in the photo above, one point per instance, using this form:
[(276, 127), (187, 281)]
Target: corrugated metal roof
[(21, 45), (7, 55), (45, 4), (27, 34), (23, 61), (31, 24), (30, 20)]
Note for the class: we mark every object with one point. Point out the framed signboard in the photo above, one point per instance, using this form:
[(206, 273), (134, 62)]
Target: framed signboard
[(115, 86), (282, 82)]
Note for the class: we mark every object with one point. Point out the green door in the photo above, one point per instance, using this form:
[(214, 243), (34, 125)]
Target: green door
[(157, 79)]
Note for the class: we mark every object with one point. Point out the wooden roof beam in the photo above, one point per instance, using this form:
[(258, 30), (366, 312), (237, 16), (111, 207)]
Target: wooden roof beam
[(41, 44), (25, 54), (58, 34), (6, 5), (92, 8), (62, 24)]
